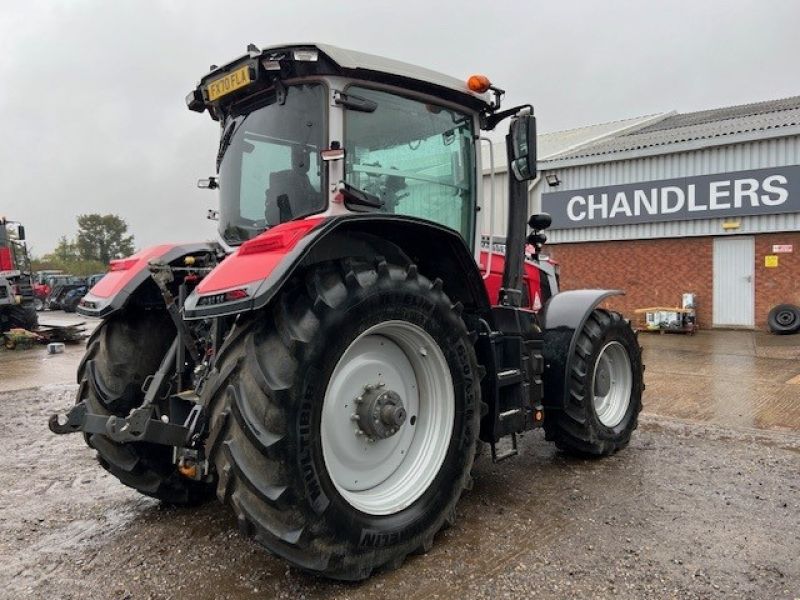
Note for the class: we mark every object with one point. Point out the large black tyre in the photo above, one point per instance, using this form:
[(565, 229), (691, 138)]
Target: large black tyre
[(120, 354), (267, 397), (17, 316), (784, 319), (578, 428)]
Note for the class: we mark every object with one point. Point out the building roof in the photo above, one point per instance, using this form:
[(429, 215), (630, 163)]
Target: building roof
[(718, 125), (556, 143), (561, 142)]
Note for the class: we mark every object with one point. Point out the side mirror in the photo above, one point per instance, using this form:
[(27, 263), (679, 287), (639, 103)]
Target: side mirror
[(540, 221), (21, 233), (523, 147)]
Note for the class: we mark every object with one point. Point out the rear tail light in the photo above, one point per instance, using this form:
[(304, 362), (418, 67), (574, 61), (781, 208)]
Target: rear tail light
[(235, 295)]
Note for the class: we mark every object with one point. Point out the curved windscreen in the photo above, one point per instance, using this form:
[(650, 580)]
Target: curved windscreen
[(270, 171)]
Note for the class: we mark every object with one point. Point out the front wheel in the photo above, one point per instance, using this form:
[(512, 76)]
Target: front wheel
[(605, 389), (344, 421)]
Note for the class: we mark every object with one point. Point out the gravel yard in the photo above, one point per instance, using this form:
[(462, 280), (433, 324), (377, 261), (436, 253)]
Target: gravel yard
[(704, 503)]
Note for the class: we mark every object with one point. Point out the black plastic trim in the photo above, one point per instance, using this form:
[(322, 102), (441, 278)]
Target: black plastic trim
[(400, 230), (563, 318)]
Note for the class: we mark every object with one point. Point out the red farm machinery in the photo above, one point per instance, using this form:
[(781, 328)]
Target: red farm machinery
[(17, 308), (328, 367)]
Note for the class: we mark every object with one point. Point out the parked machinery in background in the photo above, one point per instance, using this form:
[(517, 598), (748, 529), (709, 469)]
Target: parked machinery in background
[(17, 308)]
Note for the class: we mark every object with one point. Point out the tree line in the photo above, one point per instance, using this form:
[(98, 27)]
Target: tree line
[(99, 239)]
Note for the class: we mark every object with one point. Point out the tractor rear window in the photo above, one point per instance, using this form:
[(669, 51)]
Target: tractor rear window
[(270, 172), (418, 158)]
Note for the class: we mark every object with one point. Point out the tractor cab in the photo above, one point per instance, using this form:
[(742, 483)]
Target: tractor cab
[(317, 130)]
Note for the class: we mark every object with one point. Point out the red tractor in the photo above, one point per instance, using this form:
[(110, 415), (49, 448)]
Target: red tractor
[(329, 367), (16, 289)]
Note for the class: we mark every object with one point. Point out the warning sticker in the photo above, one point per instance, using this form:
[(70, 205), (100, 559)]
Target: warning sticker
[(771, 261)]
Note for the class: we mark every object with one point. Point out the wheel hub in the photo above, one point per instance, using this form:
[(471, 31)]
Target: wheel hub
[(602, 382), (380, 413), (785, 317)]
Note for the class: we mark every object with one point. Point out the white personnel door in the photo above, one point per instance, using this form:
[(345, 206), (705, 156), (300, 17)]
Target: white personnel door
[(734, 265)]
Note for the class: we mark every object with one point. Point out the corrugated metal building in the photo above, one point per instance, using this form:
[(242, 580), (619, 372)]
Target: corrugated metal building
[(725, 181)]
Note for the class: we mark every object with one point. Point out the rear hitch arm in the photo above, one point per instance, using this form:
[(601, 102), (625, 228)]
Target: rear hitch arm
[(139, 426)]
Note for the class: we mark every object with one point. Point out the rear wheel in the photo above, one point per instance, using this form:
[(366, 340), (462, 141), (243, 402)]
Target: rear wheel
[(344, 423), (605, 389), (120, 354)]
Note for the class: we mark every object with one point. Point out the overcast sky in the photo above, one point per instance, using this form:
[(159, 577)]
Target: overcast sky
[(92, 93)]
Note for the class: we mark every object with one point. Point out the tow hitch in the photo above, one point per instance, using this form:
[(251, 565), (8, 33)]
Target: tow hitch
[(139, 426)]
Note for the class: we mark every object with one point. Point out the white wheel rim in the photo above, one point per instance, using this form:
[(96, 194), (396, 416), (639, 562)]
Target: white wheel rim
[(385, 476), (612, 383)]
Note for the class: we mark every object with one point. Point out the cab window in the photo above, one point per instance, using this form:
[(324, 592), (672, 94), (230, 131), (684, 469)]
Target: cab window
[(417, 158)]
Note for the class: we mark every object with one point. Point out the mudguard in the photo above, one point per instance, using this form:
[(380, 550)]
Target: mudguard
[(249, 278), (563, 318), (127, 275)]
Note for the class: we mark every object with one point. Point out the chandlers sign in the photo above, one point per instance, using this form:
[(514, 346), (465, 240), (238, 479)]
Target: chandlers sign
[(760, 192)]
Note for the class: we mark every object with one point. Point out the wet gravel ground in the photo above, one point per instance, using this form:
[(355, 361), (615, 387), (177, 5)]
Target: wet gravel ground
[(687, 511), (691, 509)]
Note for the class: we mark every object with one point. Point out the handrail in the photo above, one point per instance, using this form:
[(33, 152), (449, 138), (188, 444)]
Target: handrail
[(490, 253)]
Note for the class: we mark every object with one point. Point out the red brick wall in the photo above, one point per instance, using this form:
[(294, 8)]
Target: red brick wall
[(657, 272), (652, 272), (776, 285)]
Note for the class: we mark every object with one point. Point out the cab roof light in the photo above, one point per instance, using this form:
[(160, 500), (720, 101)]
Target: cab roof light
[(479, 84), (310, 55)]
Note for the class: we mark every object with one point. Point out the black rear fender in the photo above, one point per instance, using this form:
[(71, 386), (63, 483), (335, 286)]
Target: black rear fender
[(563, 318), (437, 251)]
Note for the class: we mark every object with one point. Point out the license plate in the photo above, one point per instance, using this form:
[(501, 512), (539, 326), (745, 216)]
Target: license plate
[(229, 83)]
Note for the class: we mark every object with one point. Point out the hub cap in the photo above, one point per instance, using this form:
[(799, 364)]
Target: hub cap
[(785, 317), (387, 417), (612, 384), (379, 414)]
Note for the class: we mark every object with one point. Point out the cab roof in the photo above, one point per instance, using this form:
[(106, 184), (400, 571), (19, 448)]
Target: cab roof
[(359, 65), (354, 60)]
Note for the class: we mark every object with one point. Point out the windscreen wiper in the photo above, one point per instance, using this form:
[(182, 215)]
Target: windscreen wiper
[(226, 139)]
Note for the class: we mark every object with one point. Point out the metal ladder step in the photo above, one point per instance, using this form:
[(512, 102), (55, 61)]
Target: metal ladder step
[(513, 451), (509, 377)]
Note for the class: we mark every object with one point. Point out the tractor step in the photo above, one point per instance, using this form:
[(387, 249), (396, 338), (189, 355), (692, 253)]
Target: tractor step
[(513, 451), (509, 377)]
